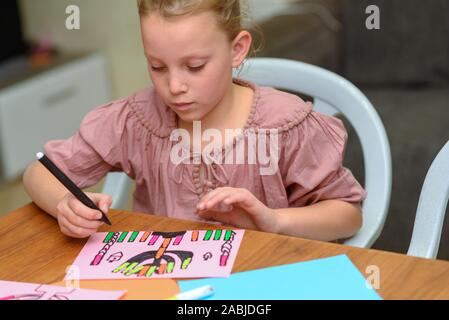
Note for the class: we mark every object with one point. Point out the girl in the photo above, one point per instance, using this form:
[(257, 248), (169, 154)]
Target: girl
[(191, 47)]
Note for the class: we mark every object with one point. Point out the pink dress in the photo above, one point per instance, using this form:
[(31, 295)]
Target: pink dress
[(133, 135)]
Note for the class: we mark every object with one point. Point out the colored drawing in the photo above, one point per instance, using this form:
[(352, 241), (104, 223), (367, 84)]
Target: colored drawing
[(182, 254), (133, 236), (195, 235), (208, 235), (177, 240), (217, 235), (123, 236), (226, 249), (10, 290), (108, 237), (153, 239), (145, 236), (207, 256), (228, 235), (115, 257), (112, 238)]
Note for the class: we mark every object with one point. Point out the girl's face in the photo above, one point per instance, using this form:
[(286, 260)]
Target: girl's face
[(190, 61)]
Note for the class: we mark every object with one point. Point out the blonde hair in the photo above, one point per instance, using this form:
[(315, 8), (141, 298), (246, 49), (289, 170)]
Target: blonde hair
[(229, 12)]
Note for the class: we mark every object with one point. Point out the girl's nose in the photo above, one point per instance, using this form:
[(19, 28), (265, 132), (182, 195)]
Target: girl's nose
[(176, 85)]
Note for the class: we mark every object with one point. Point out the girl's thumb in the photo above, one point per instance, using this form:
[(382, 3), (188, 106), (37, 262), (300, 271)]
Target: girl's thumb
[(105, 203), (104, 208)]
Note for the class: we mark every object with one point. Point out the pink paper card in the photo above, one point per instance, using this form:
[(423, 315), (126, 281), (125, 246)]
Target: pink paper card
[(146, 254), (10, 290)]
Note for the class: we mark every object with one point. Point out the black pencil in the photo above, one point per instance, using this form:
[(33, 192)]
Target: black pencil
[(70, 185)]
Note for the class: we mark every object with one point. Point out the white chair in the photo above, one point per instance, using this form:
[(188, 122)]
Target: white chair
[(118, 185), (431, 208), (333, 94)]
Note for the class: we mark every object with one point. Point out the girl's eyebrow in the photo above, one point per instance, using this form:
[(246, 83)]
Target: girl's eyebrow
[(184, 58), (149, 56), (195, 56)]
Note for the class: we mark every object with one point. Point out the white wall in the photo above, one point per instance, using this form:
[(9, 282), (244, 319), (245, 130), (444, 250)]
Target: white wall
[(108, 26), (111, 27)]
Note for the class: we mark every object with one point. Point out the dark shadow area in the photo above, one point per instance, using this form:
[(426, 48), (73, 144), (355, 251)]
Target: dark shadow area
[(403, 69)]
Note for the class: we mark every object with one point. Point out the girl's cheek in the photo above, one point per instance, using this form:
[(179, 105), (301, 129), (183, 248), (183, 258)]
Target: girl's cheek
[(158, 80), (159, 87)]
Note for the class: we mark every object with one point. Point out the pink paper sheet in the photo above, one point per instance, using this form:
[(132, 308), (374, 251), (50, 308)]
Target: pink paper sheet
[(10, 290), (137, 254)]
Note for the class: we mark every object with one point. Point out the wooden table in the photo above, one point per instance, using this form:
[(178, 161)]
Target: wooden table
[(32, 249)]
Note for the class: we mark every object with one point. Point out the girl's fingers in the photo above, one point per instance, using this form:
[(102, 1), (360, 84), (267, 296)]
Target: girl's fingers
[(220, 201), (74, 219), (230, 198), (78, 221), (75, 230), (207, 197), (82, 211), (216, 199), (222, 217), (67, 232), (206, 202), (249, 204), (103, 201)]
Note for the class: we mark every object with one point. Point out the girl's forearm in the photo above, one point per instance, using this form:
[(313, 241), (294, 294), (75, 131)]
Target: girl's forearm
[(43, 188), (325, 221)]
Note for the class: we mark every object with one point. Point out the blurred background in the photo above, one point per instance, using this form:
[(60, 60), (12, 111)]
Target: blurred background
[(51, 76)]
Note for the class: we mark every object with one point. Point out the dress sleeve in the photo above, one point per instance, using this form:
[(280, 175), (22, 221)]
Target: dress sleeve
[(98, 147), (312, 163)]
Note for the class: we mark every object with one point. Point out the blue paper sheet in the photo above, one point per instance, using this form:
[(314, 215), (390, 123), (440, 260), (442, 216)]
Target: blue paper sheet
[(334, 278)]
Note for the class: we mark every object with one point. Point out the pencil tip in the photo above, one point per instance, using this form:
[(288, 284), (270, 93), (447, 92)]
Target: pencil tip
[(106, 220)]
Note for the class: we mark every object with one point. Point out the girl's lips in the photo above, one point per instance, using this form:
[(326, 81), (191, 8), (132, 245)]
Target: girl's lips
[(182, 106)]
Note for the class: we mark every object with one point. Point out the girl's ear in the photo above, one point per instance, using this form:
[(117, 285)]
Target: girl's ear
[(240, 48)]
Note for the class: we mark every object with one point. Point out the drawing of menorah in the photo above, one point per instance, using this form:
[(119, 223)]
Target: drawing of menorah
[(162, 259)]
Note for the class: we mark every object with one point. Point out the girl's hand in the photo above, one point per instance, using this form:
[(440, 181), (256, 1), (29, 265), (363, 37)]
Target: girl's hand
[(78, 221), (245, 210)]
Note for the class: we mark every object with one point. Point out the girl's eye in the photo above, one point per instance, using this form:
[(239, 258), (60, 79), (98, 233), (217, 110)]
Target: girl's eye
[(157, 69), (197, 68)]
